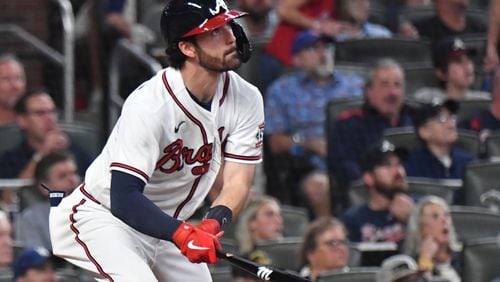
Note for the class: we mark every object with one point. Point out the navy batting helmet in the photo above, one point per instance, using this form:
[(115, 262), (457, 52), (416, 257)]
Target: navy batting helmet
[(185, 18)]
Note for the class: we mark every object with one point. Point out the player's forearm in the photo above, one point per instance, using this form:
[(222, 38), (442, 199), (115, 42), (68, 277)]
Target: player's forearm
[(288, 11)]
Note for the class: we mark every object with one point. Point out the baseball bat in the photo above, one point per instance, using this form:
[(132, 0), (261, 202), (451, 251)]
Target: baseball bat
[(264, 272)]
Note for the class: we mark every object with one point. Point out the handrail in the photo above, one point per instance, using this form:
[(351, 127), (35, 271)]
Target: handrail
[(64, 60), (68, 25), (115, 100)]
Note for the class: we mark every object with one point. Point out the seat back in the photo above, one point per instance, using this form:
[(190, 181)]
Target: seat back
[(10, 137), (470, 106), (480, 177), (369, 50), (417, 186), (480, 260), (283, 253), (417, 77), (84, 135), (358, 274), (295, 221), (474, 222), (492, 145), (222, 274)]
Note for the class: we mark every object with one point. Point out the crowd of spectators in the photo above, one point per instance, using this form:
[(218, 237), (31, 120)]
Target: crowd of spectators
[(312, 167)]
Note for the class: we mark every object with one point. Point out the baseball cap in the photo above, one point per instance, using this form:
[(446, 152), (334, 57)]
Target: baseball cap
[(397, 267), (379, 154), (30, 258), (307, 38), (449, 49), (431, 110)]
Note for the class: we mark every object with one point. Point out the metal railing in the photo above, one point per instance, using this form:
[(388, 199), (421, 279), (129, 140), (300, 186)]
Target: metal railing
[(64, 60), (124, 46)]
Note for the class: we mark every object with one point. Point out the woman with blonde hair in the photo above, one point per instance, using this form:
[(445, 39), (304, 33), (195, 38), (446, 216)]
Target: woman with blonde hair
[(431, 239)]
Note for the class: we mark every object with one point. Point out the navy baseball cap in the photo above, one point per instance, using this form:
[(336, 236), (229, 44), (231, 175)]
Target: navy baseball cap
[(307, 38), (449, 49), (379, 155), (431, 110), (30, 258)]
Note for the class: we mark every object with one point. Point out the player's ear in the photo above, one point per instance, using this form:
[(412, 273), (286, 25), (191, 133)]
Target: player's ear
[(187, 48)]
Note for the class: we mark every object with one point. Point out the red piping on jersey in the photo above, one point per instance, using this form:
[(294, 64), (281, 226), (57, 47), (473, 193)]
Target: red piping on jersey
[(188, 198), (239, 157), (203, 133), (88, 195), (81, 243), (138, 171), (224, 91)]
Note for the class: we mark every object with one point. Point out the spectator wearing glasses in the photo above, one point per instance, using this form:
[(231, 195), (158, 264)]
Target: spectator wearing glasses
[(437, 157), (325, 247), (37, 117)]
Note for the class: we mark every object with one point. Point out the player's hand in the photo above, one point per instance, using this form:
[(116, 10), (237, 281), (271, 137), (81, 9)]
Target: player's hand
[(211, 226), (196, 244)]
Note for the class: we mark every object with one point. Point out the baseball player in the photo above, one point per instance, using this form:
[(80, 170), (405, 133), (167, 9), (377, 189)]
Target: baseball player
[(193, 124)]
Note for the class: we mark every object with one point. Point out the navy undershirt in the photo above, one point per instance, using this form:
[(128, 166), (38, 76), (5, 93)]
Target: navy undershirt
[(129, 204)]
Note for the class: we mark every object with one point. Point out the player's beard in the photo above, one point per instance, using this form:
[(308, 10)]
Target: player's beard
[(229, 61)]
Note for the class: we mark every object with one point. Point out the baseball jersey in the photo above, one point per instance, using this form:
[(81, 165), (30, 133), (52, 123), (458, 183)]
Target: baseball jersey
[(176, 146)]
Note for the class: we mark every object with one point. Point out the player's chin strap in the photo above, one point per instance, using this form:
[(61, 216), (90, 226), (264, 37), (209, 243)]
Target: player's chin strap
[(243, 45), (54, 196)]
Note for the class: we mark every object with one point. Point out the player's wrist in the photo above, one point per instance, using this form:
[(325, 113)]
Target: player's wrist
[(222, 214)]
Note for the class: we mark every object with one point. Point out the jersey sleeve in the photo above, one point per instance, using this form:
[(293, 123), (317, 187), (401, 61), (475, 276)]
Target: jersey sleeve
[(244, 142), (136, 140)]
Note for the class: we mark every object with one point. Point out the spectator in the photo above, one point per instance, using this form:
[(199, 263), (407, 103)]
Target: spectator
[(259, 221), (401, 268), (487, 120), (6, 250), (296, 102), (37, 117), (261, 20), (491, 58), (58, 171), (455, 70), (34, 265), (357, 129), (450, 20), (12, 87), (383, 217), (357, 12), (324, 248), (431, 239), (296, 16), (437, 156)]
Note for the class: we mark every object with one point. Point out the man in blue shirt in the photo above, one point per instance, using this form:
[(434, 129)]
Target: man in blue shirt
[(295, 103), (358, 129)]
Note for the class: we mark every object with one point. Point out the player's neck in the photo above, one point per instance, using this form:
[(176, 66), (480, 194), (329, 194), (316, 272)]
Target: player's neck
[(200, 82)]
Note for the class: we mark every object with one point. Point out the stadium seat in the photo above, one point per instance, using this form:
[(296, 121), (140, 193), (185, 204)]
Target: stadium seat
[(295, 221), (480, 260), (353, 68), (470, 106), (369, 50), (221, 274), (480, 177), (492, 144), (474, 222), (417, 77), (358, 274), (10, 137), (85, 135), (283, 253), (405, 137), (335, 107), (418, 186)]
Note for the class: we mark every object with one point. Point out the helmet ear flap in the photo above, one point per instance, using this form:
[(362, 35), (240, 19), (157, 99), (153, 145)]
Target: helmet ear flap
[(243, 46)]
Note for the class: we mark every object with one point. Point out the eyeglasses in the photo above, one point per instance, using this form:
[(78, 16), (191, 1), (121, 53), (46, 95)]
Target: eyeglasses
[(443, 118), (40, 113), (336, 243)]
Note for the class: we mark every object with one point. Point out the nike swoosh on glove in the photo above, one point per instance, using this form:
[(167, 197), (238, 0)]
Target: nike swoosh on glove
[(196, 244)]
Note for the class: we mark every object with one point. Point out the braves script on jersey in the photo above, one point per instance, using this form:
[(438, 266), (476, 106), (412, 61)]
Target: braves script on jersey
[(174, 145)]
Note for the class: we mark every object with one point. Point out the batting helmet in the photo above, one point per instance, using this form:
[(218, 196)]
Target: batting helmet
[(185, 18)]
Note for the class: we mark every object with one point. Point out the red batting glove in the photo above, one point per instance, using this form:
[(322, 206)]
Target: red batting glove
[(211, 226), (196, 244)]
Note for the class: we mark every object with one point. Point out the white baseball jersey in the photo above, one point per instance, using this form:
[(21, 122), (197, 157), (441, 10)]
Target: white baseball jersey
[(174, 145)]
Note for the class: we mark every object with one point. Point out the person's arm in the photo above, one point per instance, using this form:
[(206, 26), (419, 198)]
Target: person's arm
[(288, 10), (491, 58), (237, 179)]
